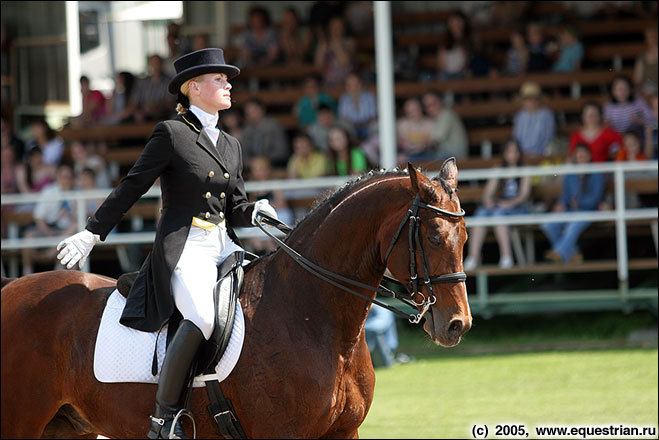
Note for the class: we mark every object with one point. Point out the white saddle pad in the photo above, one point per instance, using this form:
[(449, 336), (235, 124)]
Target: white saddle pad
[(123, 354)]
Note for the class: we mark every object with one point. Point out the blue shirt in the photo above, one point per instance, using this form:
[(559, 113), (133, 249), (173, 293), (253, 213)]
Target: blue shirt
[(569, 57), (587, 189), (358, 112), (534, 130)]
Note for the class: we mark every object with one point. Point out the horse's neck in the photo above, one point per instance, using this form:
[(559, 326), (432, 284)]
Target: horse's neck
[(345, 241)]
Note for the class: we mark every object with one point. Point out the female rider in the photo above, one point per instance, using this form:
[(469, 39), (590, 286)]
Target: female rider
[(203, 198)]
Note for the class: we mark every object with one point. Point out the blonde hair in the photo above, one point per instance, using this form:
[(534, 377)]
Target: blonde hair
[(185, 90)]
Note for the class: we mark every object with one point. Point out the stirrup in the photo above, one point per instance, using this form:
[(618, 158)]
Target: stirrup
[(159, 433), (187, 413)]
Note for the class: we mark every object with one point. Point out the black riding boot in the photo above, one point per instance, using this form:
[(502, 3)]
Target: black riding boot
[(178, 360)]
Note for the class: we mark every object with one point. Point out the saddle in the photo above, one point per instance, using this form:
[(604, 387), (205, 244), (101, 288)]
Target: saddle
[(230, 279)]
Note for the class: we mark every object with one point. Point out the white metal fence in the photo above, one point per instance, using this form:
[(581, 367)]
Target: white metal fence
[(296, 188)]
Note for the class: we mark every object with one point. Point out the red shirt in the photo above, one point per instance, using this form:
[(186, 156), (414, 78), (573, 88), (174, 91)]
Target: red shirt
[(600, 147)]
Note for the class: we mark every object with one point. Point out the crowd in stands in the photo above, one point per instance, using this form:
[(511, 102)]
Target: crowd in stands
[(339, 136)]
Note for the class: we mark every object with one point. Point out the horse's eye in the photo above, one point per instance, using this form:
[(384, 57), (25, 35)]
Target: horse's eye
[(436, 240)]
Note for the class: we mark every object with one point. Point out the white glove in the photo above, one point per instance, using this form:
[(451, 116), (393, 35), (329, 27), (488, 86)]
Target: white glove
[(77, 248), (263, 206)]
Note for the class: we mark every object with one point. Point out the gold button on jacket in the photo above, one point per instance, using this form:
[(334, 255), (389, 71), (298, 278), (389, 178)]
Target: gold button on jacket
[(207, 195), (222, 195), (207, 215), (226, 175), (211, 174)]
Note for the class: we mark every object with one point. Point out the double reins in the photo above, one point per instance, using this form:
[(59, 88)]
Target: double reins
[(414, 245)]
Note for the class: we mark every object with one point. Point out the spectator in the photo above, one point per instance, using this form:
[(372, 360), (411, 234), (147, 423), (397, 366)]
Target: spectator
[(508, 196), (334, 55), (381, 335), (232, 120), (538, 60), (85, 180), (260, 44), (645, 68), (295, 40), (319, 131), (119, 110), (306, 108), (533, 125), (93, 105), (571, 51), (631, 148), (263, 136), (200, 41), (517, 54), (448, 132), (344, 160), (34, 175), (83, 159), (9, 165), (320, 14), (479, 64), (650, 148), (415, 134), (261, 170), (357, 106), (452, 57), (581, 192), (52, 218), (151, 100), (625, 111), (8, 139), (45, 138), (359, 18), (9, 181), (177, 46), (306, 162), (602, 141)]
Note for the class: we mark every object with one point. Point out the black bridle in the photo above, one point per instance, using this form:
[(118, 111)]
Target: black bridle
[(414, 246)]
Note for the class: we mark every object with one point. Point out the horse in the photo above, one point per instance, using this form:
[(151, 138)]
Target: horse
[(305, 369)]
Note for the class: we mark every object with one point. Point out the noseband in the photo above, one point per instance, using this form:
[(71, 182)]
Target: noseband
[(414, 245)]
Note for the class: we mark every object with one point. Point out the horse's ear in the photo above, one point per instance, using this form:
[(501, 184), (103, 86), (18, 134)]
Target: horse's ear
[(420, 183), (449, 172)]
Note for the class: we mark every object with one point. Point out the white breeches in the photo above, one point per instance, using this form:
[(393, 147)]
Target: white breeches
[(195, 275)]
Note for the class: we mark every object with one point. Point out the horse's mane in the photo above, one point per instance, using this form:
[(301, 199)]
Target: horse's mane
[(334, 197)]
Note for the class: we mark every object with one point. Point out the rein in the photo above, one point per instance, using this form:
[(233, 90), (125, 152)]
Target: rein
[(414, 243)]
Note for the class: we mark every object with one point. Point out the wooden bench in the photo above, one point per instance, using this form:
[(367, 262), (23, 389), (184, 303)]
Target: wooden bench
[(500, 36), (586, 266)]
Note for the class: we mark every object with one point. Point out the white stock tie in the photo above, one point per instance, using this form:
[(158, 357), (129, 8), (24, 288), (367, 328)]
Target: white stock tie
[(209, 122)]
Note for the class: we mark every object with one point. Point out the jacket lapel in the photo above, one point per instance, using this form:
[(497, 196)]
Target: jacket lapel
[(202, 138)]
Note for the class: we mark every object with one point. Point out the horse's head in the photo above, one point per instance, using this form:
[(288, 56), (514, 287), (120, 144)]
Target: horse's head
[(431, 248)]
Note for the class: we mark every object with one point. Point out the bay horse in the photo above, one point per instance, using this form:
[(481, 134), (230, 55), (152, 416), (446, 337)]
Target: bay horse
[(305, 369)]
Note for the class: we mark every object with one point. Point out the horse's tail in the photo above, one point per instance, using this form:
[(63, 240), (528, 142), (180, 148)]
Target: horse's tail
[(6, 281)]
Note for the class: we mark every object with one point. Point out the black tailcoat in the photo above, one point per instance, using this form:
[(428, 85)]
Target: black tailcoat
[(197, 180)]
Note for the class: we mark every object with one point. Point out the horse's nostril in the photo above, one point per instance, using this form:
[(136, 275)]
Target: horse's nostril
[(455, 326)]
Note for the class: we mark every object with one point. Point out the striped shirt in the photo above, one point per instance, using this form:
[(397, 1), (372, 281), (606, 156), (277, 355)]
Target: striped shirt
[(620, 115)]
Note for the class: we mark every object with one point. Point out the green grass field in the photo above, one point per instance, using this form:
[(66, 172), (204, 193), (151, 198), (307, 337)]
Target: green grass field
[(446, 391)]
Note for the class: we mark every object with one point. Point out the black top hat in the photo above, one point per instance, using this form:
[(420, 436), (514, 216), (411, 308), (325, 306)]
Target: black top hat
[(198, 63)]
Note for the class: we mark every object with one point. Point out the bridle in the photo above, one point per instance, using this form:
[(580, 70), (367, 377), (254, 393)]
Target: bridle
[(414, 246)]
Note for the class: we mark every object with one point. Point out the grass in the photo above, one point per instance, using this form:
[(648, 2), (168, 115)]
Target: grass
[(536, 372), (444, 398)]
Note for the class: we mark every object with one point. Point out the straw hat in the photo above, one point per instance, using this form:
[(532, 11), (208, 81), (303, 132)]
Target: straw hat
[(530, 89)]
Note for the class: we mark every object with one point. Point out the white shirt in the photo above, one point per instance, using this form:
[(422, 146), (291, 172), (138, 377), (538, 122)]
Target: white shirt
[(53, 212), (208, 121)]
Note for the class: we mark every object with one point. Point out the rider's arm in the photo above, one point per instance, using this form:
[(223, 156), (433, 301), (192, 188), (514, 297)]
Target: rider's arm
[(152, 162)]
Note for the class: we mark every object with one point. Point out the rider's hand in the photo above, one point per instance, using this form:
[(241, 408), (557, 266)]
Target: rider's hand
[(263, 206), (77, 248)]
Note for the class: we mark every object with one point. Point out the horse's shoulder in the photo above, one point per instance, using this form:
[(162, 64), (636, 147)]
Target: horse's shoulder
[(6, 281)]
